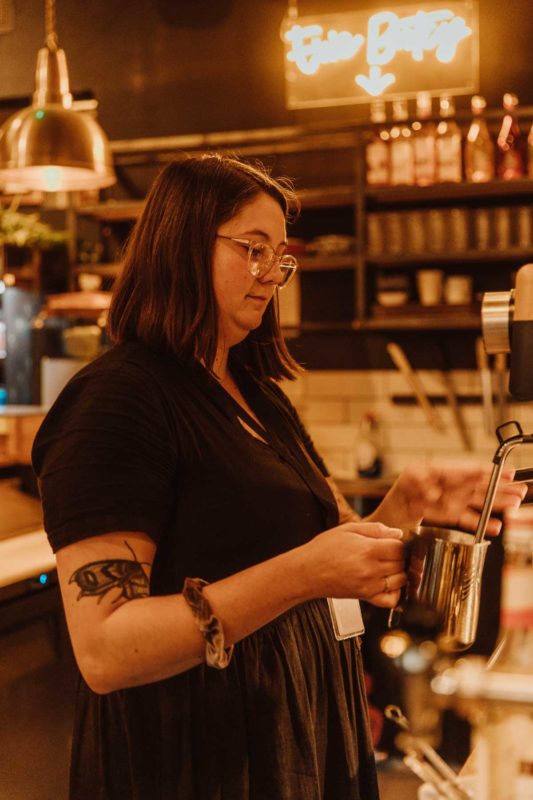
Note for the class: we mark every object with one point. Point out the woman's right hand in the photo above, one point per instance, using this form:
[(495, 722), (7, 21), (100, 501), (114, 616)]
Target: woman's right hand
[(365, 560)]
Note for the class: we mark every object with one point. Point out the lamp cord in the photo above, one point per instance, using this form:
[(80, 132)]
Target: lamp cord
[(50, 25)]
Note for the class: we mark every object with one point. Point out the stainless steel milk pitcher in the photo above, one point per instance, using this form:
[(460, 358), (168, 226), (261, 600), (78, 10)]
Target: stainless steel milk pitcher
[(445, 571), (445, 567)]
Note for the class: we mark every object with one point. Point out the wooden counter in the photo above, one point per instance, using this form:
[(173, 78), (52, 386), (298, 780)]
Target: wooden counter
[(25, 556), (366, 487), (24, 548), (19, 512), (18, 426)]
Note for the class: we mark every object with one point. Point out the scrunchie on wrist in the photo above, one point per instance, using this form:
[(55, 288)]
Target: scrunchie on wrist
[(216, 655)]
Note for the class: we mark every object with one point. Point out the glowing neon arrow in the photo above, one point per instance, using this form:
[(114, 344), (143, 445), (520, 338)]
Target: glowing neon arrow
[(375, 83)]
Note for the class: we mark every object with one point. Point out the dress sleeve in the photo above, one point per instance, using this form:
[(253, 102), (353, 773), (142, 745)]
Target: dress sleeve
[(105, 457)]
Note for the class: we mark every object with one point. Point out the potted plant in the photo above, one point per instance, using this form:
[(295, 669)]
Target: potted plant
[(23, 238)]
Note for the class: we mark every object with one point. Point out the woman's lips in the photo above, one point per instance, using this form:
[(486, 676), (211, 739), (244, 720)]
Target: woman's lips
[(258, 298)]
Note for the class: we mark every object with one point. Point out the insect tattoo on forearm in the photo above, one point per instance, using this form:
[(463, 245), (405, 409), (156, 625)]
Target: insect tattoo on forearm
[(99, 577)]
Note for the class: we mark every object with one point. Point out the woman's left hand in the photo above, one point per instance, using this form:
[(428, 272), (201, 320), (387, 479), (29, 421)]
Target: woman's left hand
[(450, 494)]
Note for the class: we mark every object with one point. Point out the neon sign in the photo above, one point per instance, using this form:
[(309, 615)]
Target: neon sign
[(334, 47), (421, 32), (341, 58)]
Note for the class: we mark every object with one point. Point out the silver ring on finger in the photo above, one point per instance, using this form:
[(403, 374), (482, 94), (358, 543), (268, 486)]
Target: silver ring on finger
[(387, 586)]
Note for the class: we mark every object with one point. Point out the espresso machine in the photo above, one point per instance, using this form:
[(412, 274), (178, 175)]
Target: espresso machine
[(468, 685), (507, 325)]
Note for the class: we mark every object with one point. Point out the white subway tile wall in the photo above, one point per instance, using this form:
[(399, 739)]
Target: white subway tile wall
[(332, 404)]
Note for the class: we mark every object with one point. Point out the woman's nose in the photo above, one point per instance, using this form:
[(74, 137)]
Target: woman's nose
[(274, 274)]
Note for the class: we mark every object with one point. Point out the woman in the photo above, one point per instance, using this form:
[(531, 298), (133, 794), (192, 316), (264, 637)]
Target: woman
[(176, 455)]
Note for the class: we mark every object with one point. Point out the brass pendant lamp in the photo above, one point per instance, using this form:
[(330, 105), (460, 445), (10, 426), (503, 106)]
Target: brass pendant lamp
[(50, 147)]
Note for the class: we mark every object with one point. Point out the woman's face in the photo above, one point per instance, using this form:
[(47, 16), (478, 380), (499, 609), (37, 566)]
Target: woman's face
[(241, 298)]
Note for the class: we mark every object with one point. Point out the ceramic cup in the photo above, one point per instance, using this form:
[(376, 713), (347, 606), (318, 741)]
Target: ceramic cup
[(458, 290), (429, 283)]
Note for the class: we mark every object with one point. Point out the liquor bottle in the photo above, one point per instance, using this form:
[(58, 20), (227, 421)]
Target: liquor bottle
[(377, 150), (369, 462), (512, 146), (401, 146), (479, 147), (424, 141), (448, 144), (511, 770)]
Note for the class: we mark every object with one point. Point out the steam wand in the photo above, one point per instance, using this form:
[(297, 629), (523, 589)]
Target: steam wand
[(506, 445)]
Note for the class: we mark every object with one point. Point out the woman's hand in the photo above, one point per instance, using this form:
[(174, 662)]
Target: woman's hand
[(365, 560), (450, 495)]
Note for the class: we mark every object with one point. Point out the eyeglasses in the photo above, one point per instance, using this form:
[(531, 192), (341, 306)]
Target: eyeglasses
[(262, 259)]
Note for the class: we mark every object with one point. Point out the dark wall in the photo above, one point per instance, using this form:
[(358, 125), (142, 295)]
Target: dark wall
[(166, 67)]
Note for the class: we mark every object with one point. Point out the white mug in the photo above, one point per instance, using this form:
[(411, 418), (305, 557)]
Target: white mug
[(429, 286), (458, 290)]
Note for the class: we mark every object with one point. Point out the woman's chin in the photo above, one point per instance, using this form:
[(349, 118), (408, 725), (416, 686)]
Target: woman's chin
[(247, 325)]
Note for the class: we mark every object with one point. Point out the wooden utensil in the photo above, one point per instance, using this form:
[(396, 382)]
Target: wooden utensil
[(402, 363), (500, 374), (486, 386), (456, 411)]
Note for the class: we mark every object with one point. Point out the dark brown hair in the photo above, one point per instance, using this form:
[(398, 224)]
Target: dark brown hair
[(164, 296)]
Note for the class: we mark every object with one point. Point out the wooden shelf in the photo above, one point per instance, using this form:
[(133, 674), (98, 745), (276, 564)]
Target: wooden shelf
[(325, 326), (452, 320), (324, 263), (451, 257), (449, 191), (365, 487), (344, 198), (306, 263), (128, 210), (106, 270), (327, 196), (113, 210), (413, 317)]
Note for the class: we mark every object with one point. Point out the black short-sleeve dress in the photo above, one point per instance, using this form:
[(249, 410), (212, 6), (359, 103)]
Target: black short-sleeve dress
[(139, 441)]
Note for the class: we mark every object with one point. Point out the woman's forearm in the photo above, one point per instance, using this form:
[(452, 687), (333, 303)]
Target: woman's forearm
[(152, 638), (394, 510), (124, 637)]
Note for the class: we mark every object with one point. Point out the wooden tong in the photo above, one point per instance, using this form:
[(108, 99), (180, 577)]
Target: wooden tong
[(401, 361)]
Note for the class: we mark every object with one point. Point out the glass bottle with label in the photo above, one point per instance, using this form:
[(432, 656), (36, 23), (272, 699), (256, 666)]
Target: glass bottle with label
[(479, 147), (511, 770), (448, 144), (377, 150), (369, 463), (512, 145), (401, 146), (424, 141)]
